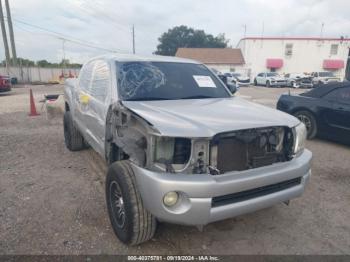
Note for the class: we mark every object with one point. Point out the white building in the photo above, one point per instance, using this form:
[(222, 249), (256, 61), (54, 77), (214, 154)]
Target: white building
[(294, 54), (221, 59)]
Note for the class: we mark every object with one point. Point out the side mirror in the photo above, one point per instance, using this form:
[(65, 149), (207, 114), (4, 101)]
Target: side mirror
[(233, 88)]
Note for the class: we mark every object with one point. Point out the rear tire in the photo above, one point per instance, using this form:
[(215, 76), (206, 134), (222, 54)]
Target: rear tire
[(131, 222), (73, 139), (309, 121)]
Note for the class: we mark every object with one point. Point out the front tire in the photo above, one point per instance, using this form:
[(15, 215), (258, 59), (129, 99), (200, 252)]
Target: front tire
[(73, 139), (309, 121), (131, 222)]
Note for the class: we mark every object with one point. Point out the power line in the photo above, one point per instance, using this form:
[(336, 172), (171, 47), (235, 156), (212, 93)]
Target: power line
[(68, 38), (105, 15)]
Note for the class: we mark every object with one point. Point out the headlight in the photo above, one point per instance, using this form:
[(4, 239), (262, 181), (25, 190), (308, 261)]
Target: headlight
[(299, 138), (171, 154)]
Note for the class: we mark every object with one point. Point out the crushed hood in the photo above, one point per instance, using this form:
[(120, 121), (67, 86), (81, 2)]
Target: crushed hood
[(207, 117)]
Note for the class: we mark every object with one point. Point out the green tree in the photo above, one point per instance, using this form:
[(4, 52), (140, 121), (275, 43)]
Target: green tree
[(43, 63), (183, 36), (20, 61)]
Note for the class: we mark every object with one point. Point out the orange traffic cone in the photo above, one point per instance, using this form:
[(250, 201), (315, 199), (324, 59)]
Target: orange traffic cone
[(32, 105)]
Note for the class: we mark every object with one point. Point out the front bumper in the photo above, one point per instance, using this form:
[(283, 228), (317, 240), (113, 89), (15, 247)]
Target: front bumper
[(243, 83), (278, 83), (196, 191), (5, 88), (306, 85)]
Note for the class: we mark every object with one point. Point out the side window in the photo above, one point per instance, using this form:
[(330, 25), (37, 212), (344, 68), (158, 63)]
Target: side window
[(85, 76), (334, 49), (289, 49), (261, 74), (341, 95), (100, 81)]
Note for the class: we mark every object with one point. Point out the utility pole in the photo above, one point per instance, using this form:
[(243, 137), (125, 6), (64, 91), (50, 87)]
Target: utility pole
[(245, 30), (322, 28), (63, 55), (4, 36), (133, 39), (12, 37)]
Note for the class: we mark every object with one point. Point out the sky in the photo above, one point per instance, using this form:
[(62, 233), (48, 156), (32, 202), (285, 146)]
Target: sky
[(97, 27)]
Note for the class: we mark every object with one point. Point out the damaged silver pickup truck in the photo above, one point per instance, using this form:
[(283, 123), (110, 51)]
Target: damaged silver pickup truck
[(180, 147)]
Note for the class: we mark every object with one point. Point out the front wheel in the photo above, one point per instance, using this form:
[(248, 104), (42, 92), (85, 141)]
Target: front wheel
[(268, 84), (73, 139), (309, 121), (131, 222)]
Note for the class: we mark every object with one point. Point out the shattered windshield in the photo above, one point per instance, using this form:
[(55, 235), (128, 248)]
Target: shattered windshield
[(167, 81)]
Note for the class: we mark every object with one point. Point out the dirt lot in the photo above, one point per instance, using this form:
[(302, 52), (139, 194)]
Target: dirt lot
[(52, 200)]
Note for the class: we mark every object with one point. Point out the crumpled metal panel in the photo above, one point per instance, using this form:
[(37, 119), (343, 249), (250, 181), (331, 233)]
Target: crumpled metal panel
[(207, 117)]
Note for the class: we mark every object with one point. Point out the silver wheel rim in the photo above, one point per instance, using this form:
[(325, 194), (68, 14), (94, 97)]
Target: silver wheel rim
[(306, 120), (117, 204)]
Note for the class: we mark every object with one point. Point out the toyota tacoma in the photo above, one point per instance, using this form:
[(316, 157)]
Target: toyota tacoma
[(180, 147)]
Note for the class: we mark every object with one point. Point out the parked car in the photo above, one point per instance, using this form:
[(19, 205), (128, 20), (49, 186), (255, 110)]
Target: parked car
[(326, 77), (298, 80), (238, 79), (231, 86), (269, 79), (325, 110), (180, 147), (5, 83)]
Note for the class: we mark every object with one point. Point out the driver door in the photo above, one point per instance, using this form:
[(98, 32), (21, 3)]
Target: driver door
[(260, 79), (81, 98), (99, 92), (338, 115)]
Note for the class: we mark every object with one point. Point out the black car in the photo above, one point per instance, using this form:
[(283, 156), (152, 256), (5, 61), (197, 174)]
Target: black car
[(325, 110)]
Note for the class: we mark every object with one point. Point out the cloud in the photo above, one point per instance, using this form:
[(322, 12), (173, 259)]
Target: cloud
[(107, 23)]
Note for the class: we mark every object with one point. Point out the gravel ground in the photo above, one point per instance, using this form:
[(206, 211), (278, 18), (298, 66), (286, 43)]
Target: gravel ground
[(52, 200)]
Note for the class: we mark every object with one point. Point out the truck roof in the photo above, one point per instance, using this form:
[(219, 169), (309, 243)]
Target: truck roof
[(141, 58)]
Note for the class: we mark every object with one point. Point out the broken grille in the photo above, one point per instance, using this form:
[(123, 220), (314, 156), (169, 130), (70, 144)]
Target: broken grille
[(251, 148)]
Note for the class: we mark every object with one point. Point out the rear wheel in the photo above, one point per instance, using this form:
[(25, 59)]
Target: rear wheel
[(73, 139), (309, 121), (131, 222)]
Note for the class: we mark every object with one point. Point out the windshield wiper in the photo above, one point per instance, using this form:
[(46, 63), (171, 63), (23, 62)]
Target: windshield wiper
[(147, 99), (197, 97)]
